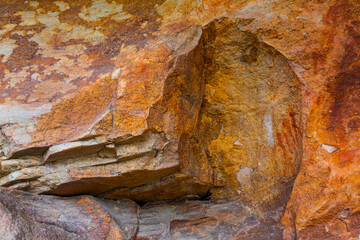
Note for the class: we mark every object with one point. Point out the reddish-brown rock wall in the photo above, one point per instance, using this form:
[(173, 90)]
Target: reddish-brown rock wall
[(250, 105)]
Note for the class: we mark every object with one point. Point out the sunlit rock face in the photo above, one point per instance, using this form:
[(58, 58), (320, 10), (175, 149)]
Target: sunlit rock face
[(252, 106), (250, 121)]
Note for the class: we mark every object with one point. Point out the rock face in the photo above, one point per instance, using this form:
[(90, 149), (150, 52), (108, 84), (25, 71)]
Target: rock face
[(27, 216), (251, 107), (250, 123)]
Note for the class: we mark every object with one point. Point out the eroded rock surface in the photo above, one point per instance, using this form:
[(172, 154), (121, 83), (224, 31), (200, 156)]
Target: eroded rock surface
[(169, 100), (250, 123), (27, 216)]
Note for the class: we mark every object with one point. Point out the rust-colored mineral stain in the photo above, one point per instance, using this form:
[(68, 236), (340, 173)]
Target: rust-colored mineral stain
[(244, 102)]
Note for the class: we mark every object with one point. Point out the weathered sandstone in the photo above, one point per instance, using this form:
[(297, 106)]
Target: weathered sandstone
[(250, 105)]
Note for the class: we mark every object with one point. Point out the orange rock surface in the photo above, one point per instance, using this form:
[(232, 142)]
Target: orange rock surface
[(251, 101)]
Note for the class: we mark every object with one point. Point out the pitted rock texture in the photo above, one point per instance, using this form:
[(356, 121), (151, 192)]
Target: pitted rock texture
[(251, 102)]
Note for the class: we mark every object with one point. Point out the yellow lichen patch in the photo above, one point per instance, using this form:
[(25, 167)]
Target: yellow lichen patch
[(7, 28), (6, 48), (103, 127), (63, 6), (129, 123), (34, 3), (250, 99), (28, 17)]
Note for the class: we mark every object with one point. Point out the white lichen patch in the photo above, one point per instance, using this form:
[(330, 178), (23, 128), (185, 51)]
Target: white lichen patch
[(268, 122), (101, 8), (35, 77), (71, 68), (238, 143), (8, 27), (329, 148), (33, 3), (244, 176), (13, 78), (53, 26), (21, 136), (67, 66), (20, 113), (79, 32), (116, 73), (74, 50), (22, 119), (7, 47), (49, 19), (121, 87), (120, 16), (28, 18), (63, 6)]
